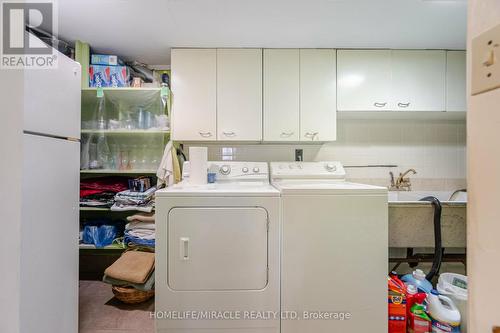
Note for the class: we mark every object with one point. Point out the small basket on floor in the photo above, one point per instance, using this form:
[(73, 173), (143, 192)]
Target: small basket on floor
[(131, 295)]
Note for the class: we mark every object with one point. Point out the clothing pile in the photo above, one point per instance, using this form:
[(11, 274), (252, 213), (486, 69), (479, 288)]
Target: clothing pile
[(133, 269), (100, 192), (140, 231), (131, 200)]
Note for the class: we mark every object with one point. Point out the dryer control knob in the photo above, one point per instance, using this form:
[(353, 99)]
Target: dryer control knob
[(225, 169), (256, 170), (245, 169), (331, 167)]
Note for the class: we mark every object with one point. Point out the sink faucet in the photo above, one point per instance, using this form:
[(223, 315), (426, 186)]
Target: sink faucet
[(402, 183)]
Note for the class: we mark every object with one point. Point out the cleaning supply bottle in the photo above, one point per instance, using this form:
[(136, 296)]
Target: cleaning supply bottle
[(395, 278), (418, 320), (413, 297), (417, 278), (444, 314), (397, 305)]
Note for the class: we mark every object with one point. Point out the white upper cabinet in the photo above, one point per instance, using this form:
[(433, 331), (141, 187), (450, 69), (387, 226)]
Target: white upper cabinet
[(418, 80), (455, 81), (194, 94), (318, 116), (239, 94), (364, 80), (281, 94)]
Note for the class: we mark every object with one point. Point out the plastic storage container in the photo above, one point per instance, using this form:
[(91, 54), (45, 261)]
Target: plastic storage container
[(444, 314), (417, 278), (455, 287)]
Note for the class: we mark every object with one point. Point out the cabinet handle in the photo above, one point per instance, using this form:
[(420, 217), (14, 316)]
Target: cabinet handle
[(404, 105), (311, 135), (380, 105), (286, 134), (205, 134), (230, 134)]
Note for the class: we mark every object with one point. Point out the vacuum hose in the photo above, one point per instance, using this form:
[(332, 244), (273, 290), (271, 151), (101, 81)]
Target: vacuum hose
[(438, 251)]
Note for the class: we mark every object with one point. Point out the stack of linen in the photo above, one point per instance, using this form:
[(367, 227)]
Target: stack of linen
[(100, 192), (133, 269), (140, 231), (131, 200)]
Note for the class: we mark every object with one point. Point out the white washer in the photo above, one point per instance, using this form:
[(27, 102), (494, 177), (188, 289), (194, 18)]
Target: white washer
[(217, 253), (334, 249)]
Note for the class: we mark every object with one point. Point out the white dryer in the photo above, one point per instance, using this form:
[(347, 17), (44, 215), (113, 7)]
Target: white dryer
[(334, 250), (217, 253)]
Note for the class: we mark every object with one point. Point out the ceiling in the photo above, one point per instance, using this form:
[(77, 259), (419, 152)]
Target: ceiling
[(145, 30)]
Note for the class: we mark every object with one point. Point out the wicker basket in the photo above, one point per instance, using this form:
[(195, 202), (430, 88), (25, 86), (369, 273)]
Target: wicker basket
[(131, 295)]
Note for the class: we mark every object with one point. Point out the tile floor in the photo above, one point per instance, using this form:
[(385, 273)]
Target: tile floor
[(100, 312)]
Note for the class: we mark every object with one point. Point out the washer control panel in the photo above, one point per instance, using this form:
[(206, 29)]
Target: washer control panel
[(307, 170), (232, 170)]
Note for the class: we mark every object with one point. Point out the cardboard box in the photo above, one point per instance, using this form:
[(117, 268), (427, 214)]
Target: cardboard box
[(106, 60), (108, 76)]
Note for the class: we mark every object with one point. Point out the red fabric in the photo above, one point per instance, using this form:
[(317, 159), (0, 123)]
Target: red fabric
[(100, 185)]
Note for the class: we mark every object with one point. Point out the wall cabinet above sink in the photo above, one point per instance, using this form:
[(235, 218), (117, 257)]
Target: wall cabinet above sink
[(400, 80)]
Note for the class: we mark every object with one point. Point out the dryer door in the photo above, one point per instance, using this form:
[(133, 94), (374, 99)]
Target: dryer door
[(223, 248)]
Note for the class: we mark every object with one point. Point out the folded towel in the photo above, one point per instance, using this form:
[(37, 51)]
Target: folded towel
[(140, 225), (146, 286), (131, 241), (120, 207), (132, 266), (144, 217), (129, 195), (146, 234)]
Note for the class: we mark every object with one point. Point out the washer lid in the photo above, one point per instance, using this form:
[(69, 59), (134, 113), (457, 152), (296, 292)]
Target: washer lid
[(326, 187), (249, 188)]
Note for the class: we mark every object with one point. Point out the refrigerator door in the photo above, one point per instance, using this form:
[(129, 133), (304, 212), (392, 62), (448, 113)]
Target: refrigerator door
[(49, 229), (52, 99)]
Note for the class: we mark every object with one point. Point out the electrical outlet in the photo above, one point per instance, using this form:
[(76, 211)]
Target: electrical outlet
[(485, 65), (299, 155)]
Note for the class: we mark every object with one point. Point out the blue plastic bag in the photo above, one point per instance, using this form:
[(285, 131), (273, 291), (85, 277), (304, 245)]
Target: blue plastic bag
[(99, 234)]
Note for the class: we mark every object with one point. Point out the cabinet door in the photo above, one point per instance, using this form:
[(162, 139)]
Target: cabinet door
[(455, 81), (419, 80), (194, 94), (364, 80), (281, 95), (239, 94), (318, 114)]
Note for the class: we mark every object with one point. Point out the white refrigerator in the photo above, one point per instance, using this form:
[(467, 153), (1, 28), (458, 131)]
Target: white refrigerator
[(50, 208)]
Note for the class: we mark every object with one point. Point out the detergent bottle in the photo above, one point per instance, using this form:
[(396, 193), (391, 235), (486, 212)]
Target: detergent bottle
[(397, 305), (417, 278), (418, 320), (413, 297), (444, 314)]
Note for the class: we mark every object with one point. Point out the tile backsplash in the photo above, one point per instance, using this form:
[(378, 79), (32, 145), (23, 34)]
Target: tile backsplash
[(434, 148)]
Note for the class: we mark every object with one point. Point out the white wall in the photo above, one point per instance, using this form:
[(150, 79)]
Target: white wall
[(435, 148), (483, 212), (11, 123)]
